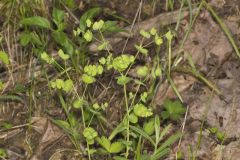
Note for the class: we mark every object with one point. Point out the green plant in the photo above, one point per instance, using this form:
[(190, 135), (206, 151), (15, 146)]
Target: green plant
[(114, 147), (3, 153), (5, 59), (153, 126), (173, 110), (137, 106), (90, 134), (218, 134)]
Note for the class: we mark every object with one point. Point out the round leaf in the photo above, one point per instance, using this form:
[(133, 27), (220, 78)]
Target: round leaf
[(142, 111)]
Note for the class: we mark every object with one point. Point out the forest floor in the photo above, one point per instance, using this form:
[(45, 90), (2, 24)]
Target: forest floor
[(40, 121)]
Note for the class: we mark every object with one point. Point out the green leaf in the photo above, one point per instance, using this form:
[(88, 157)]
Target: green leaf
[(153, 31), (102, 60), (58, 19), (25, 38), (35, 39), (168, 142), (158, 40), (88, 22), (121, 80), (99, 69), (68, 85), (159, 155), (142, 71), (164, 132), (174, 109), (122, 62), (90, 14), (58, 15), (62, 39), (213, 130), (88, 79), (133, 118), (4, 57), (158, 71), (36, 21), (7, 125), (96, 106), (73, 121), (63, 124), (120, 128), (169, 35), (78, 103), (165, 114), (45, 57), (220, 136), (69, 3), (103, 46), (98, 25), (111, 26), (116, 147), (88, 36), (138, 149), (59, 83), (143, 97), (142, 111), (3, 153), (89, 133), (142, 133), (157, 128), (145, 34), (148, 127), (104, 142), (63, 55), (93, 70), (141, 50)]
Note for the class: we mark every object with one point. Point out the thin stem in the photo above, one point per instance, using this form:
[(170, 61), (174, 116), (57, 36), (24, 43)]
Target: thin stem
[(126, 103)]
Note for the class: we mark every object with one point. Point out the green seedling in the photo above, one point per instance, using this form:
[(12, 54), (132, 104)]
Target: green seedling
[(218, 134), (142, 71), (114, 147), (90, 134), (153, 126), (78, 103), (122, 80), (88, 36), (122, 62), (90, 71), (141, 110), (66, 85), (173, 110)]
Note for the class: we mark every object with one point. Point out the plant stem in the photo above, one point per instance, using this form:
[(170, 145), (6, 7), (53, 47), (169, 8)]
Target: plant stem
[(127, 109)]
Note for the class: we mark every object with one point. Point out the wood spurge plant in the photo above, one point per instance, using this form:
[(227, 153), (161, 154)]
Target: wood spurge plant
[(127, 138), (106, 99)]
